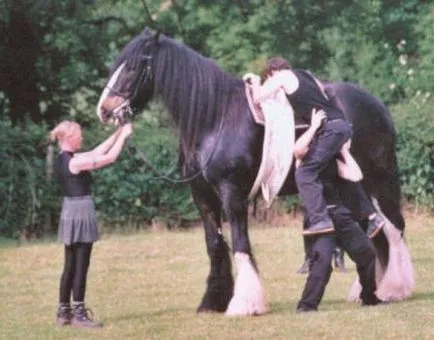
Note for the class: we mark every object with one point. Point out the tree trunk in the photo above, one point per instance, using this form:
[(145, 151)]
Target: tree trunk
[(19, 75)]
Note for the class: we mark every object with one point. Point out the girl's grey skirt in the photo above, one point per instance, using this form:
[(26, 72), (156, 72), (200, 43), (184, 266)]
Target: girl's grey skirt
[(78, 221)]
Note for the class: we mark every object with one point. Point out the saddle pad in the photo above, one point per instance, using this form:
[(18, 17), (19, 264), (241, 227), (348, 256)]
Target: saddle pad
[(277, 117)]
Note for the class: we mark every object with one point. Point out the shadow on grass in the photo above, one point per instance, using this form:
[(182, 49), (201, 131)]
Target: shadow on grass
[(275, 308), (325, 306), (422, 296), (422, 260), (147, 314), (16, 243), (8, 243)]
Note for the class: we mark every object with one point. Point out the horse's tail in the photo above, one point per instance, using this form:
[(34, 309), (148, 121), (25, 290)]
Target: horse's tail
[(375, 150), (389, 194)]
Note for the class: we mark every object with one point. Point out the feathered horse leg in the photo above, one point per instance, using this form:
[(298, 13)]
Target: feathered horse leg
[(249, 295), (394, 275), (397, 282), (220, 283)]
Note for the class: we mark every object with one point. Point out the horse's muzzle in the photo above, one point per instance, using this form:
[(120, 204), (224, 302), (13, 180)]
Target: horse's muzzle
[(105, 115), (119, 115), (123, 113)]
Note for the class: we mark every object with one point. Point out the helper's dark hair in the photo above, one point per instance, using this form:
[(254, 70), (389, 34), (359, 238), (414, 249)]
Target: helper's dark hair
[(275, 64)]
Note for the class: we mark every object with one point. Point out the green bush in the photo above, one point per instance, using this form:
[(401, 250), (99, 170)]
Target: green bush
[(129, 192), (126, 192), (415, 147), (27, 196)]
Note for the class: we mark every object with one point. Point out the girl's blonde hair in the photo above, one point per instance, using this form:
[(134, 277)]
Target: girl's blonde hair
[(64, 130)]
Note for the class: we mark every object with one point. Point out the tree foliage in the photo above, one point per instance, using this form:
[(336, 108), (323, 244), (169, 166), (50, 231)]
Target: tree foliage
[(27, 195), (53, 52), (55, 57)]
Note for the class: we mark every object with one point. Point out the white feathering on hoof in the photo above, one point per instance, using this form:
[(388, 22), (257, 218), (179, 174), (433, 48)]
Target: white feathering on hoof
[(355, 290), (249, 295), (396, 282)]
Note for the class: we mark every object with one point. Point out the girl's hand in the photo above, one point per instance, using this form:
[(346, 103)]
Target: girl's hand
[(317, 118), (127, 130)]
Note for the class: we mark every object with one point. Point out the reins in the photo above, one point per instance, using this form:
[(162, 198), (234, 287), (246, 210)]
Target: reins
[(161, 175)]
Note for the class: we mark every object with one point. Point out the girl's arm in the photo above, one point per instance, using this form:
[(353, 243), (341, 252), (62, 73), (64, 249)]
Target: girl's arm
[(91, 161), (104, 146)]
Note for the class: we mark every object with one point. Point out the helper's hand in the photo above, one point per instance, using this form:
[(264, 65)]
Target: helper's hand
[(127, 130), (317, 118), (346, 147)]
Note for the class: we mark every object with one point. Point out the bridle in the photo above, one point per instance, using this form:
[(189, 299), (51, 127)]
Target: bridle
[(124, 112), (145, 74)]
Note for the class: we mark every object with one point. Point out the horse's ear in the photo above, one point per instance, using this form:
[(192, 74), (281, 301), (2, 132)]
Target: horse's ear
[(146, 31), (156, 37)]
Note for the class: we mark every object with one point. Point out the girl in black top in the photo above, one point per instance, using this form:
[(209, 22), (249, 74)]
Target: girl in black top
[(78, 224)]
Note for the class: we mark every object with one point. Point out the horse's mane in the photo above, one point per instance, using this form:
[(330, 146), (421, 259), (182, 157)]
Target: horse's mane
[(196, 91), (132, 53)]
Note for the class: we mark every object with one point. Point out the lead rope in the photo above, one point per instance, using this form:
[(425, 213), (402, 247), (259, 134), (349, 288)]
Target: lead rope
[(165, 176)]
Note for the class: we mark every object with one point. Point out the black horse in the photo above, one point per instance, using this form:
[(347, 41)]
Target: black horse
[(221, 145)]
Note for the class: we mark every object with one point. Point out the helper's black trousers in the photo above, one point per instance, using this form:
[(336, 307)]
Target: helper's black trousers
[(355, 243)]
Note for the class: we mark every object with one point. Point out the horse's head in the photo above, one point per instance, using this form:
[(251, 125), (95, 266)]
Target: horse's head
[(131, 82)]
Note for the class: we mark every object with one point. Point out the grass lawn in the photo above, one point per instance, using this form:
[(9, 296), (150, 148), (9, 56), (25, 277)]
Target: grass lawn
[(148, 285)]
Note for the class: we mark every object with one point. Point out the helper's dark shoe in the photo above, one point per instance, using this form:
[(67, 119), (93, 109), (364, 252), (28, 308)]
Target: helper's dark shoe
[(305, 309), (373, 301), (64, 316), (304, 269), (374, 226), (83, 318), (319, 229)]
